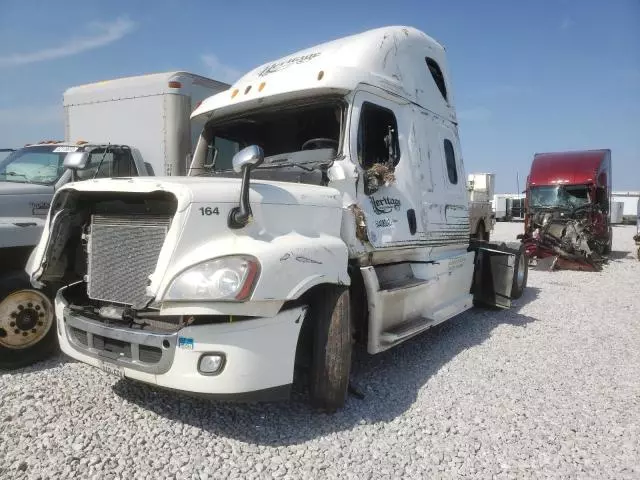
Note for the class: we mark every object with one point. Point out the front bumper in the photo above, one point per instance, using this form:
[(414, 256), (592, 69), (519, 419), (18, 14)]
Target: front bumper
[(259, 353)]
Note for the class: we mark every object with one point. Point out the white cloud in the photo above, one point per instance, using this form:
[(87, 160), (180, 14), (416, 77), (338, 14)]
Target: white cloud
[(566, 24), (218, 70), (475, 114), (28, 115), (103, 33)]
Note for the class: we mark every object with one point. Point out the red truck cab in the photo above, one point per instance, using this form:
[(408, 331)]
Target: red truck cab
[(568, 197)]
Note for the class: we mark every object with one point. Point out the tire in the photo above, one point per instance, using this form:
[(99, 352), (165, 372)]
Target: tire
[(331, 348), (27, 323), (481, 232), (609, 246), (520, 274)]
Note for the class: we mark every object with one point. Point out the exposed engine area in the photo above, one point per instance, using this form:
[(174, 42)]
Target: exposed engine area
[(570, 237)]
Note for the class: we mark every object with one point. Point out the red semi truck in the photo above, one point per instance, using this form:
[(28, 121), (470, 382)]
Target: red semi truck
[(567, 208)]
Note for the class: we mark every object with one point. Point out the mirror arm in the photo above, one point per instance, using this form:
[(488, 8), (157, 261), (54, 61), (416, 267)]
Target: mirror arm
[(239, 216)]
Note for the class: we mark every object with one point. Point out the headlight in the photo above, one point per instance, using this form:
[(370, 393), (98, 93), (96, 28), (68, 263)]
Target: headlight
[(227, 278)]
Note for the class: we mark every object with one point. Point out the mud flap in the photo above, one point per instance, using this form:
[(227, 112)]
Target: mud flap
[(493, 277)]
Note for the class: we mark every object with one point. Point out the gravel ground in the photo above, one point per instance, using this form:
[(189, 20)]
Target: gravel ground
[(548, 389)]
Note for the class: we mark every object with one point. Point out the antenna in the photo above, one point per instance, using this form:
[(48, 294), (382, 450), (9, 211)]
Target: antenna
[(520, 213)]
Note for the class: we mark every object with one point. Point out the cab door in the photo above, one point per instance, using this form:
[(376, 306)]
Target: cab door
[(379, 132)]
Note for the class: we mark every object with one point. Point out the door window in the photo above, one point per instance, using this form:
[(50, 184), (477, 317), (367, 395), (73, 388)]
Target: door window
[(450, 158), (113, 163), (377, 136)]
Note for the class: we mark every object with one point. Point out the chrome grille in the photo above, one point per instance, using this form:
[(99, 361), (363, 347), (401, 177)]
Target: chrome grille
[(123, 252)]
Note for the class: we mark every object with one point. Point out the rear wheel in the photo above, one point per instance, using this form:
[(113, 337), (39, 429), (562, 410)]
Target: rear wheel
[(520, 274), (331, 348), (27, 323), (609, 246)]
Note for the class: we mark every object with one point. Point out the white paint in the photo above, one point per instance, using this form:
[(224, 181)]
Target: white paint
[(253, 349), (303, 235)]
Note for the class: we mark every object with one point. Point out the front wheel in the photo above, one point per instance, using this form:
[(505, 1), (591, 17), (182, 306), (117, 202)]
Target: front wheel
[(27, 319), (332, 346)]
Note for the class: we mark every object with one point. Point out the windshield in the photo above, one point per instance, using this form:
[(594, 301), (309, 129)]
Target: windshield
[(563, 196), (40, 164), (283, 134)]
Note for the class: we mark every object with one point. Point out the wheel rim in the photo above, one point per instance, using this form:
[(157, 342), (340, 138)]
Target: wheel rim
[(26, 317), (521, 267)]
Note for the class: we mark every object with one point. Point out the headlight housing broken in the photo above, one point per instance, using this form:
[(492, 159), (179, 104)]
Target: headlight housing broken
[(221, 279)]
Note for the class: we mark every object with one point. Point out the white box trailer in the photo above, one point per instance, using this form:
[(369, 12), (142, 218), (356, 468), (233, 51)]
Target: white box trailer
[(630, 201), (508, 206), (150, 112), (617, 211), (481, 186)]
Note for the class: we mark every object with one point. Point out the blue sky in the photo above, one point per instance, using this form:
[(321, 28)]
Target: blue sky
[(528, 76)]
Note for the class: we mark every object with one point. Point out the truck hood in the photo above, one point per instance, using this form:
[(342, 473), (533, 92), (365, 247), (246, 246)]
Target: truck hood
[(189, 190), (294, 232)]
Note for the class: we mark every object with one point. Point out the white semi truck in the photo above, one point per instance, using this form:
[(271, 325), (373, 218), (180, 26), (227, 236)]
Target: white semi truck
[(481, 221), (326, 204), (143, 127)]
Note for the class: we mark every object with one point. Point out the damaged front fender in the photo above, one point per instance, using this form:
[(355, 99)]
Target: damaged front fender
[(569, 240)]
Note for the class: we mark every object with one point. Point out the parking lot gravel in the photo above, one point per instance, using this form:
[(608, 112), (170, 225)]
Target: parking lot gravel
[(550, 388)]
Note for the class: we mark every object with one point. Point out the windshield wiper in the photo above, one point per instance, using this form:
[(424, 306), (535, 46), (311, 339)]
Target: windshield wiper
[(100, 164), (284, 165)]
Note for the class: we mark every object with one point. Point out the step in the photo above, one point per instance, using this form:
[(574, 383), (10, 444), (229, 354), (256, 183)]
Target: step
[(406, 330)]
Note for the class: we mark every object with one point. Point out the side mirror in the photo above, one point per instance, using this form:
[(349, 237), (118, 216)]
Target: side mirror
[(76, 160), (250, 156), (244, 161)]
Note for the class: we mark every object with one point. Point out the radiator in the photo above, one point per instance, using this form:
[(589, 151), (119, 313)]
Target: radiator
[(122, 252)]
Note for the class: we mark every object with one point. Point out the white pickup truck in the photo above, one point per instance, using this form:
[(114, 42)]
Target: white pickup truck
[(111, 112), (326, 205)]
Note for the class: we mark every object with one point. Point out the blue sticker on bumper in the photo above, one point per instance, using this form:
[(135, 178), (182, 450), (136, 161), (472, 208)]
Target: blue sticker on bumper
[(186, 343)]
